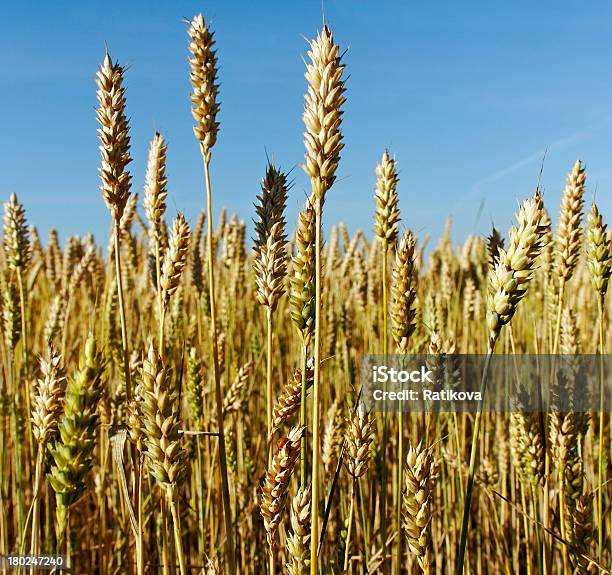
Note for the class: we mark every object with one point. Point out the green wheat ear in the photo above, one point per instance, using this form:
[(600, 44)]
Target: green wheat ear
[(72, 452)]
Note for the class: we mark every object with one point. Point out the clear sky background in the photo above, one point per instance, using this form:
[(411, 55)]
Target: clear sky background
[(467, 95)]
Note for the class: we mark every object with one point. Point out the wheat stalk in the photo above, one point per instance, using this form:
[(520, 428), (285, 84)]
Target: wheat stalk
[(323, 141), (386, 223), (599, 262), (507, 285), (205, 106)]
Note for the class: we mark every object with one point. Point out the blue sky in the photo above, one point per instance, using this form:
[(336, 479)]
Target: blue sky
[(466, 95)]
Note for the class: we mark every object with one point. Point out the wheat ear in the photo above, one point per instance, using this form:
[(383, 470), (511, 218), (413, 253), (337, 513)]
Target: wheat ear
[(15, 235), (46, 411), (18, 253), (175, 260), (72, 452), (154, 203), (420, 475), (234, 398), (298, 543), (566, 243), (403, 293), (276, 485), (387, 215), (290, 398)]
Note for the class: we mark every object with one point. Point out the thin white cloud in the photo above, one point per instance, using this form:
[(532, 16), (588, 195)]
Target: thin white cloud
[(559, 144)]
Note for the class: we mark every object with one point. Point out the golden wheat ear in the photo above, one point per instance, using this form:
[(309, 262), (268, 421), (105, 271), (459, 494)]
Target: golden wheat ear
[(298, 543), (276, 484), (599, 250), (403, 293), (114, 136), (387, 215), (155, 190), (203, 75), (420, 473), (175, 258), (16, 235), (323, 112)]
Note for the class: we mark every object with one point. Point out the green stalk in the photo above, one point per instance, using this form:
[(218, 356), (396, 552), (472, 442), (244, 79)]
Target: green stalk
[(347, 547), (63, 526)]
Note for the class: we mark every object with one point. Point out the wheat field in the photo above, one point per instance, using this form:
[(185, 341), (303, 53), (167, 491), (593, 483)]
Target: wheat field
[(182, 400)]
